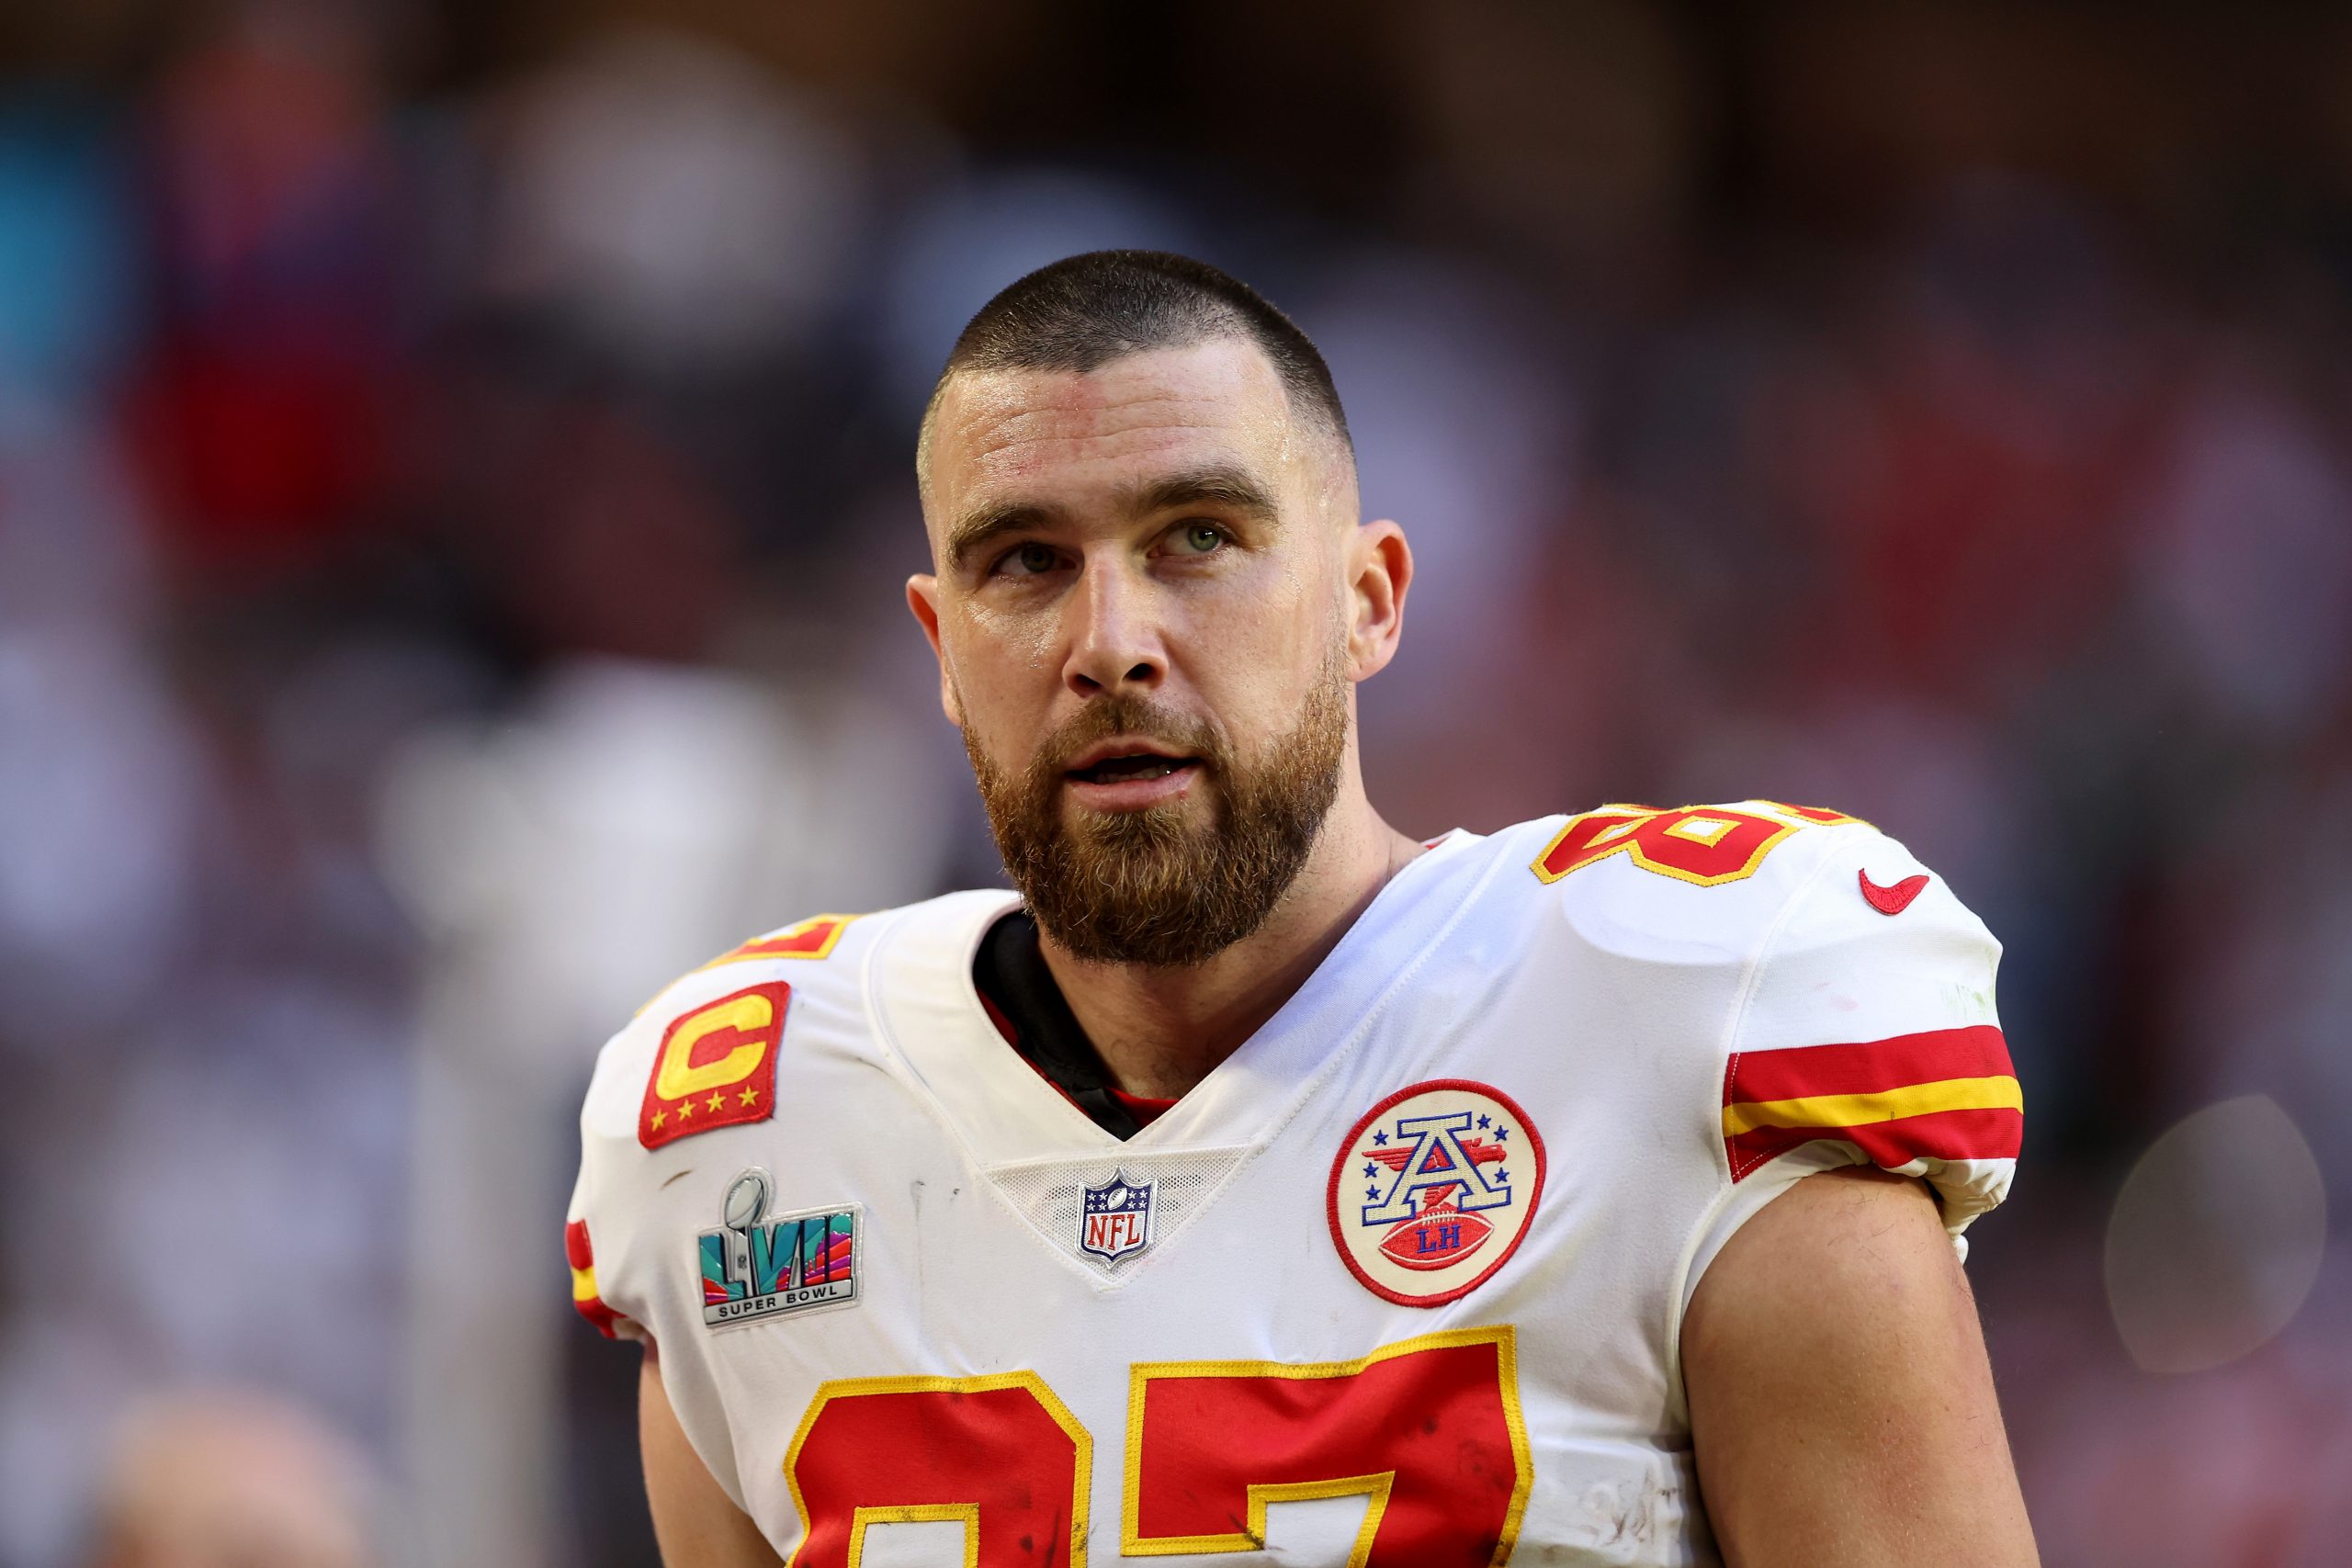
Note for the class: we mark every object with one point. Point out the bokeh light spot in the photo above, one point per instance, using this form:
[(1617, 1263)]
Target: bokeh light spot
[(2216, 1236)]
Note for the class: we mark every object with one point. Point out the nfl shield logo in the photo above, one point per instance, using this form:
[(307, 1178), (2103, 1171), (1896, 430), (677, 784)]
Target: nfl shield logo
[(1115, 1219)]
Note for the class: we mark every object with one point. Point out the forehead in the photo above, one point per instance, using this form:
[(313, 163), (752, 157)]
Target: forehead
[(1068, 432)]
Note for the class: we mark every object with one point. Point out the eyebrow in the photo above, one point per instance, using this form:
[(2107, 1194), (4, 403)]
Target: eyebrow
[(1215, 484), (975, 528)]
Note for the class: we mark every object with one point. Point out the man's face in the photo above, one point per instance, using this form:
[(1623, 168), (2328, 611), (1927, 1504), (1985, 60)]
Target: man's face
[(1141, 612)]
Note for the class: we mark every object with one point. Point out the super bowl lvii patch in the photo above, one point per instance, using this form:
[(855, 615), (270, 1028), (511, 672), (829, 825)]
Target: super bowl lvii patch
[(756, 1266)]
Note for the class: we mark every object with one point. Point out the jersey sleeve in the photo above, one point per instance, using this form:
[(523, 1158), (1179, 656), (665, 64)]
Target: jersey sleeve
[(1867, 1034), (700, 1056), (597, 1197), (617, 1235)]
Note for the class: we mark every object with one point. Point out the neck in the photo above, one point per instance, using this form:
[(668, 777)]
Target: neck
[(1161, 1031)]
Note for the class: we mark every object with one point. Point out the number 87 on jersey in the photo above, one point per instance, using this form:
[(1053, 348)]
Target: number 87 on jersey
[(1428, 1431)]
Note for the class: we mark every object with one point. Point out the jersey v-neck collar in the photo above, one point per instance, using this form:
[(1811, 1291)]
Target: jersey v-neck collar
[(1026, 1003), (920, 997)]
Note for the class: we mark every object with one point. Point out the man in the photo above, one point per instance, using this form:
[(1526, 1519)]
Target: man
[(1258, 1180)]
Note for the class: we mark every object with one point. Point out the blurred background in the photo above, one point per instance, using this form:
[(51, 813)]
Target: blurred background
[(455, 479)]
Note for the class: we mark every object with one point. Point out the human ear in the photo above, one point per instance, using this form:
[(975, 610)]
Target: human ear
[(1380, 569), (923, 598)]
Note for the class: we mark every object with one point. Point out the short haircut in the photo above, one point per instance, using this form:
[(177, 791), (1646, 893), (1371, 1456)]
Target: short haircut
[(1084, 311)]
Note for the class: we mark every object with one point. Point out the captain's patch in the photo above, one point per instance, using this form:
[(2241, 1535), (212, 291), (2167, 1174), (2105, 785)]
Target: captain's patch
[(716, 1068)]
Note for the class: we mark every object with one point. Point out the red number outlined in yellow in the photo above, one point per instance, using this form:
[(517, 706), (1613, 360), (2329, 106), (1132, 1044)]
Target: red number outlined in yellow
[(1347, 1419), (1704, 845), (812, 938), (815, 937), (993, 1436)]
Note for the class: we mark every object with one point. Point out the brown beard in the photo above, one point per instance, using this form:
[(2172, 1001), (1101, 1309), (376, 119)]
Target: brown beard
[(1145, 886)]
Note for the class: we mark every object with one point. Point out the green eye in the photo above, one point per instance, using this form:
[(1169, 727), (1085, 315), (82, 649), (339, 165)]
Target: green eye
[(1035, 558), (1201, 538)]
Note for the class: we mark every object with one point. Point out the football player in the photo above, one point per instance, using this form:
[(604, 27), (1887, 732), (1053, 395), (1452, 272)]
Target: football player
[(1257, 1182)]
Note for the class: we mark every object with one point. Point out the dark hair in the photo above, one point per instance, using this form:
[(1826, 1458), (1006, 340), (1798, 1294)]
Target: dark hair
[(1083, 312)]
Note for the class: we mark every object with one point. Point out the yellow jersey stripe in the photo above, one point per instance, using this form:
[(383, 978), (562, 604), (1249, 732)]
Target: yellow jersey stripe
[(1998, 1093)]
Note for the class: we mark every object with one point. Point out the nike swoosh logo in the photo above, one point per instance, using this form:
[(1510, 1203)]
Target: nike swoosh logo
[(1895, 899)]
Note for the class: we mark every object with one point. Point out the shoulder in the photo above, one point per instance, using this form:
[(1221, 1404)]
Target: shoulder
[(1858, 1021), (700, 1056), (1870, 1023), (726, 1023), (1686, 884), (1875, 937), (714, 1051), (1836, 989), (719, 1026)]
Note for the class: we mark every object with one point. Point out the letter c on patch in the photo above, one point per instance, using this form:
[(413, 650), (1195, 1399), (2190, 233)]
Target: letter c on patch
[(749, 1013)]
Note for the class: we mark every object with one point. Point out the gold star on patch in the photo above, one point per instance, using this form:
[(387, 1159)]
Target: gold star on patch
[(685, 1109), (750, 1097), (718, 1102), (660, 1116)]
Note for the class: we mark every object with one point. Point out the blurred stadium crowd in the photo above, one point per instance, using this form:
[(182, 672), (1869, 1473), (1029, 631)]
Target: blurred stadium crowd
[(454, 481)]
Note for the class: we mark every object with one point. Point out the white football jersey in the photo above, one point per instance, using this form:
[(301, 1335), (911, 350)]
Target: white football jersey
[(1398, 1285)]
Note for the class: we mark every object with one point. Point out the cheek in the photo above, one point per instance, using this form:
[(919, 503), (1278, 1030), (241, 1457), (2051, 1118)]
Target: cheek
[(1007, 645), (1005, 677), (1007, 650), (1288, 619), (1263, 649)]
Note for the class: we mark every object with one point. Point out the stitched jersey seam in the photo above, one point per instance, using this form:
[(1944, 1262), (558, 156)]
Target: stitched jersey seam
[(1736, 1019)]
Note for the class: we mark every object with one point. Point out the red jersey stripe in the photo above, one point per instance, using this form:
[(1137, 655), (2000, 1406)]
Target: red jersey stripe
[(1867, 1067), (1943, 1135), (584, 1299)]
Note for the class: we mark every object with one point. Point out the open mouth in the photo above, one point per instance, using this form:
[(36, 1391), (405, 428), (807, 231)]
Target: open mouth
[(1140, 767)]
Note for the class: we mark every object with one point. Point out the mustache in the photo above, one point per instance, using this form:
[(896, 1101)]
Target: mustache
[(1126, 716)]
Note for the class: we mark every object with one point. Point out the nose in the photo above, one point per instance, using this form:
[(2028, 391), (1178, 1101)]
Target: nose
[(1116, 646)]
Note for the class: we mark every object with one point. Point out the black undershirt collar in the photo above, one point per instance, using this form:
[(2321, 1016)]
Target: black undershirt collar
[(1010, 973)]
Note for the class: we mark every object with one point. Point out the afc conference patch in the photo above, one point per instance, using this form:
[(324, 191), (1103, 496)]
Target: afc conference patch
[(1432, 1191), (756, 1266)]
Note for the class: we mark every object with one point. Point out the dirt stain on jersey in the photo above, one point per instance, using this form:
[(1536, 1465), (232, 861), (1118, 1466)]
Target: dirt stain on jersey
[(1629, 1513), (914, 1191)]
